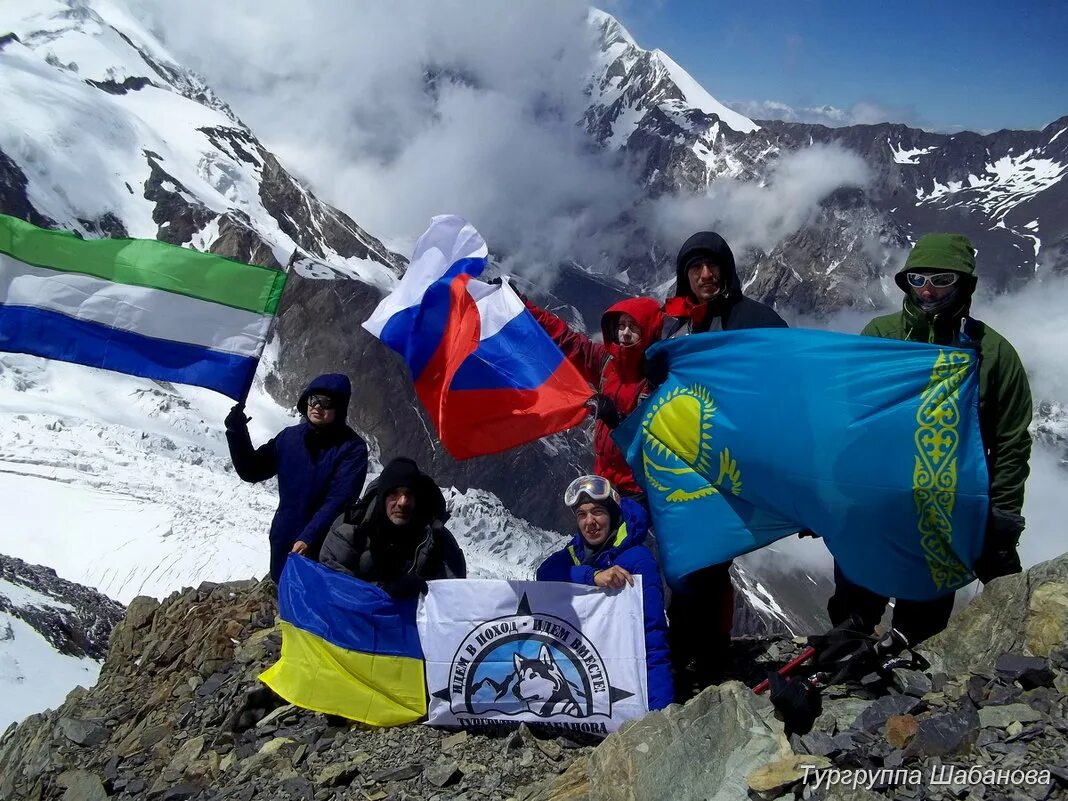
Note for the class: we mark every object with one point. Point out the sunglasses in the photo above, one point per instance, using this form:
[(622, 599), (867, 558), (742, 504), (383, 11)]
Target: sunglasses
[(324, 402), (937, 280)]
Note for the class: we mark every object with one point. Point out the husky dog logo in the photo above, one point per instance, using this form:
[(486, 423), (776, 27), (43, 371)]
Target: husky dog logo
[(541, 684), (530, 666)]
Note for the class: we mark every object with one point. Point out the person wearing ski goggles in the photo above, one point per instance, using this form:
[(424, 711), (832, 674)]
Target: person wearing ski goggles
[(938, 280), (608, 551)]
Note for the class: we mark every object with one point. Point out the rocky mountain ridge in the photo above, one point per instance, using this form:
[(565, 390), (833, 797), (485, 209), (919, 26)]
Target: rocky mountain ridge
[(179, 714)]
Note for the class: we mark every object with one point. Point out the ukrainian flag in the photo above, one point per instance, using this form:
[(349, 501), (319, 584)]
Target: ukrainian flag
[(348, 648)]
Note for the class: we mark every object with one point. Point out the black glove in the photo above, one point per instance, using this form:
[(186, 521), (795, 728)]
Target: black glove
[(807, 532), (236, 420), (797, 701), (407, 586), (846, 651), (893, 650), (655, 368), (999, 556), (605, 410), (496, 281)]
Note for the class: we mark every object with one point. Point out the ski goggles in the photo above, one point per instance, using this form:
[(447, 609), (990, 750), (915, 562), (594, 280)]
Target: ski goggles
[(324, 402), (596, 488), (937, 280)]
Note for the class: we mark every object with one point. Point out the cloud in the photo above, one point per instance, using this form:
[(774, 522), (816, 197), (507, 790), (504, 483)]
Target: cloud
[(1033, 321), (397, 112), (862, 113), (760, 215)]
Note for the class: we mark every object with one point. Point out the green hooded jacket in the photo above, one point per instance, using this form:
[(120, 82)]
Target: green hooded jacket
[(1005, 406)]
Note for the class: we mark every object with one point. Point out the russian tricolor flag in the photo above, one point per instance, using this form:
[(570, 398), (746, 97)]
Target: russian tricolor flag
[(487, 374)]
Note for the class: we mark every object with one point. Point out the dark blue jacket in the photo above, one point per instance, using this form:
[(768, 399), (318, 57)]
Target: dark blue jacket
[(320, 470), (626, 550)]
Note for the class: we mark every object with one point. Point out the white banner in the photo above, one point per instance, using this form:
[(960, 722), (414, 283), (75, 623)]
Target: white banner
[(564, 655)]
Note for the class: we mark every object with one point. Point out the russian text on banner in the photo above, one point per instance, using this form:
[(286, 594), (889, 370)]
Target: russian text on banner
[(488, 375), (135, 306), (563, 655), (347, 648), (873, 444)]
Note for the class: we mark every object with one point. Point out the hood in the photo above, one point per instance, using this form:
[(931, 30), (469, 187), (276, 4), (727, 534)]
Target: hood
[(404, 472), (336, 386), (651, 319), (716, 248), (632, 531), (645, 310), (947, 252)]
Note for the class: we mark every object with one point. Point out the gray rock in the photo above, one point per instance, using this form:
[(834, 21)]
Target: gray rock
[(843, 741), (941, 735), (875, 716), (1029, 671), (180, 792), (703, 750), (912, 682), (397, 774), (83, 732), (839, 713), (337, 774), (820, 744), (1001, 716), (453, 740), (271, 717), (188, 752), (1000, 696), (81, 785), (550, 749), (1013, 614), (443, 773)]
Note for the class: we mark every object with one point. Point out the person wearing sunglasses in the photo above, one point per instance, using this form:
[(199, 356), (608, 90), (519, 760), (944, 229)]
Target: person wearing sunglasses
[(939, 279), (320, 463), (608, 551)]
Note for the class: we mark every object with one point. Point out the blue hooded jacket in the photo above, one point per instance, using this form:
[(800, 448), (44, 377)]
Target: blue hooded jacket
[(320, 470), (626, 550)]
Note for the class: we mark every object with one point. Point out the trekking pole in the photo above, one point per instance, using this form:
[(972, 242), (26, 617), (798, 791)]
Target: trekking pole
[(787, 669)]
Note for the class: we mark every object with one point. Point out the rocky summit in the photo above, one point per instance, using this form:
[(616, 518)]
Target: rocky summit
[(178, 713)]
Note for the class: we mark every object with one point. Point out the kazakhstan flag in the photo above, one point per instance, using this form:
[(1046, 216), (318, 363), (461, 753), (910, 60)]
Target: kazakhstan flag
[(872, 443), (347, 648)]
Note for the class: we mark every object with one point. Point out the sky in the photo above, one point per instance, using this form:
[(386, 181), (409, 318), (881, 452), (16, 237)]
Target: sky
[(943, 65)]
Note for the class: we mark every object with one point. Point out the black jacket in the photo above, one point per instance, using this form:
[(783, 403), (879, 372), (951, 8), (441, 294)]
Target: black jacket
[(364, 544), (729, 310)]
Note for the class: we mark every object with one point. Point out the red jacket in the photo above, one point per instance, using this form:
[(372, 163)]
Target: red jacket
[(614, 370)]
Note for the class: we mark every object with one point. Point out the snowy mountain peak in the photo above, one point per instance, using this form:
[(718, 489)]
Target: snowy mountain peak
[(104, 133), (695, 96), (631, 83), (105, 47)]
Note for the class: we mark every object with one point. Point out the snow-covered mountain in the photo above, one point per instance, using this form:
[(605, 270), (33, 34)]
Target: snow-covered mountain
[(104, 133), (1005, 190), (53, 636), (126, 483)]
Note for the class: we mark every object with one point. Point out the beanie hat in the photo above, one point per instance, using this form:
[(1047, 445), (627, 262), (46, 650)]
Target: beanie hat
[(401, 472)]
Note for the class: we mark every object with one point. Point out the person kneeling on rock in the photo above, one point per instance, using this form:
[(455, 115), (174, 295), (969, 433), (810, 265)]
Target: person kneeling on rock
[(608, 552), (395, 535)]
